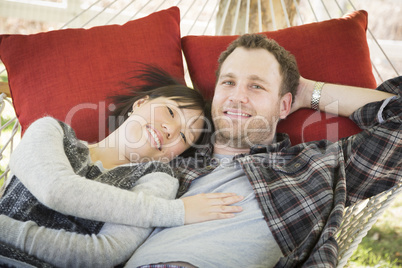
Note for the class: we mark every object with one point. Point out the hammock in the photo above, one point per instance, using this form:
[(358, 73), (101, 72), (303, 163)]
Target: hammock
[(232, 17)]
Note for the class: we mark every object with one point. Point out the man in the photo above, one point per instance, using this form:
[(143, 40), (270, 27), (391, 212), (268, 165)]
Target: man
[(293, 196)]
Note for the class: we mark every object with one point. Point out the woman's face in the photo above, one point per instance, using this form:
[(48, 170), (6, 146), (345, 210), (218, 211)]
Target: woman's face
[(159, 130)]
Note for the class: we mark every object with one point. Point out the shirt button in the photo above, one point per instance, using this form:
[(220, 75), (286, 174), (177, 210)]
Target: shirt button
[(182, 189), (297, 165)]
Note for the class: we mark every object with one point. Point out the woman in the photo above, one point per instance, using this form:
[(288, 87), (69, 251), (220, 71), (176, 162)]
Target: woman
[(56, 216)]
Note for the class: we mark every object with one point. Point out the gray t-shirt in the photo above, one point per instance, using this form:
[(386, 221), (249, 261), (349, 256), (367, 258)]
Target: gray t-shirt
[(242, 241)]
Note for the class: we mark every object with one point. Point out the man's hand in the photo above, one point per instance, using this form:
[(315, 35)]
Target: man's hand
[(212, 206), (336, 99), (303, 95)]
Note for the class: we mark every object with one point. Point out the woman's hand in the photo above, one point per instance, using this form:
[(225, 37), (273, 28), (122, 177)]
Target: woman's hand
[(212, 206)]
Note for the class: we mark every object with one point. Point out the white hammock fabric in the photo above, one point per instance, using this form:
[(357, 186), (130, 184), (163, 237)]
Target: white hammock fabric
[(198, 17)]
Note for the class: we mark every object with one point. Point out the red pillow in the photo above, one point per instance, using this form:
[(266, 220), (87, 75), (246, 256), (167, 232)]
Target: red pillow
[(334, 51), (69, 74)]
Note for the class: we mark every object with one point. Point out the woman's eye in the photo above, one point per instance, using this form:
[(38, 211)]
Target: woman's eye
[(183, 137), (170, 111)]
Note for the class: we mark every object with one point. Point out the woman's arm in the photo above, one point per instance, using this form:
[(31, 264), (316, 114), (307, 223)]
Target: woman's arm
[(112, 246), (336, 99), (40, 163), (116, 243)]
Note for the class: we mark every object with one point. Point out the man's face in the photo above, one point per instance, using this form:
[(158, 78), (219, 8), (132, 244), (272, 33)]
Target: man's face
[(246, 106)]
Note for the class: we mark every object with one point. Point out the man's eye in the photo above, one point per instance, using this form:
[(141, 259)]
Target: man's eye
[(183, 137), (256, 87), (229, 83), (170, 111)]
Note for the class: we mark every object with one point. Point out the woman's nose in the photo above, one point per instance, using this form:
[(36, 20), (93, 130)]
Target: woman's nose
[(170, 129)]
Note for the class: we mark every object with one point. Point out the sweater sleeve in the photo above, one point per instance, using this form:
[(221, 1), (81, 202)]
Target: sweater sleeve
[(39, 161), (112, 246)]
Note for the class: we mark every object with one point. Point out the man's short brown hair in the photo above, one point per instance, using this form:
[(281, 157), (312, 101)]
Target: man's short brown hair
[(287, 62)]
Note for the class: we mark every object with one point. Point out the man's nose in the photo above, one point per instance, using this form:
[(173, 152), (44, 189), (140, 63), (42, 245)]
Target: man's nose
[(239, 94)]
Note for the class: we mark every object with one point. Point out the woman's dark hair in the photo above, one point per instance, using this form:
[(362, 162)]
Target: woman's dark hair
[(155, 83)]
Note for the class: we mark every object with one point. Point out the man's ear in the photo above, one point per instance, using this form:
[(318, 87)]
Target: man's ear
[(140, 102), (285, 105)]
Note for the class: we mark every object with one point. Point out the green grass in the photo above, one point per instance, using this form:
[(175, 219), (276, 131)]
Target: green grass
[(3, 78), (1, 172), (4, 121), (382, 247), (3, 75), (381, 251), (5, 117)]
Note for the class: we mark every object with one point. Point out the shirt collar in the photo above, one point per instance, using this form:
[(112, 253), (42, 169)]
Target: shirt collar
[(280, 142)]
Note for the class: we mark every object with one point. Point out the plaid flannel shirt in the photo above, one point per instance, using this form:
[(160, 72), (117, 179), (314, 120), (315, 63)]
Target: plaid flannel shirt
[(302, 190)]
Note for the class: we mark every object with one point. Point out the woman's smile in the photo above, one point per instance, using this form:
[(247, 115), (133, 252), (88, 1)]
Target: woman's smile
[(155, 137)]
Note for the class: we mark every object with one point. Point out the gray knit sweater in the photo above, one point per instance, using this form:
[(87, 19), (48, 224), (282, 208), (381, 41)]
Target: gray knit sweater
[(69, 231)]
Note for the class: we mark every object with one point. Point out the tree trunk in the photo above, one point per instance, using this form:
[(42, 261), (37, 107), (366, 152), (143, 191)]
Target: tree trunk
[(230, 7)]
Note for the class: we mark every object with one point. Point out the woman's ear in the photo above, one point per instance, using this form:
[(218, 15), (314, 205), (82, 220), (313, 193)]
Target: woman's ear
[(285, 105), (140, 102)]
